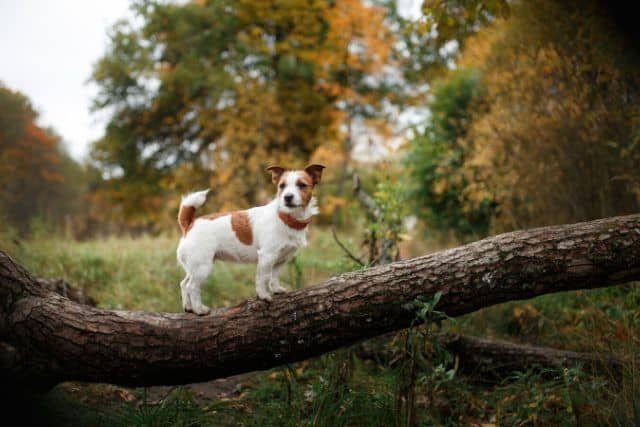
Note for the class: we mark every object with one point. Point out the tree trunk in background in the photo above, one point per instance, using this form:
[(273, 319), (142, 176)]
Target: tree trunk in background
[(46, 338)]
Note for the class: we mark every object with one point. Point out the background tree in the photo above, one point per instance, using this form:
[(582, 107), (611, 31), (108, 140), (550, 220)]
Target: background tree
[(556, 138), (204, 85), (551, 133), (436, 156), (39, 179)]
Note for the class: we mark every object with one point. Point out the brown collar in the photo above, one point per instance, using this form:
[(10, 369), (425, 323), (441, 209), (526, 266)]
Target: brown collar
[(296, 224)]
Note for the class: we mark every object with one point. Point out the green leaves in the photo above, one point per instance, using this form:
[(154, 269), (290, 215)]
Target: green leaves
[(436, 157), (425, 309)]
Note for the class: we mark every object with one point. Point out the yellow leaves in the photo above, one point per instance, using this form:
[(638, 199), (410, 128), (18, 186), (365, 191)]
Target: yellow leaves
[(331, 203), (440, 186), (479, 47), (358, 39), (52, 177), (328, 155), (551, 128)]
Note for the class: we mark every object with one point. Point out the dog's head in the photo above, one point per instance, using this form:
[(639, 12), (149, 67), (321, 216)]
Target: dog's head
[(295, 188)]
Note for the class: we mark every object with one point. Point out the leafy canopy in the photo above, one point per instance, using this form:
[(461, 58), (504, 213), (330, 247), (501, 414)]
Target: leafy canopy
[(208, 93)]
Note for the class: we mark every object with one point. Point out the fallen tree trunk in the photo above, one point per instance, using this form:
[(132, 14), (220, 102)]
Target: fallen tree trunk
[(46, 338), (489, 360)]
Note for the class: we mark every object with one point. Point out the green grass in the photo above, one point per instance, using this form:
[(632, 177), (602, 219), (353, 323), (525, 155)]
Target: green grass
[(340, 389), (143, 274)]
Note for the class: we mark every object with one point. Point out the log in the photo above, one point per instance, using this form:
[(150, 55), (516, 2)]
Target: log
[(491, 360), (46, 338)]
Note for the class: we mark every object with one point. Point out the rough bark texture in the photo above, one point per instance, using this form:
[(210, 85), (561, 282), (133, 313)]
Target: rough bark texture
[(490, 360), (61, 287), (495, 359), (46, 338)]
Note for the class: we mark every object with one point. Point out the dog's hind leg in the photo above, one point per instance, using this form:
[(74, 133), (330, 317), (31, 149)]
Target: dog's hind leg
[(197, 275), (186, 299)]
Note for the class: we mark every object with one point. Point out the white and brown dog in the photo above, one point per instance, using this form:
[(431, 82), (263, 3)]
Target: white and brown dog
[(269, 235)]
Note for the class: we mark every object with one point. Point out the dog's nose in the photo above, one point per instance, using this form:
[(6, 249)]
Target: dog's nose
[(288, 198)]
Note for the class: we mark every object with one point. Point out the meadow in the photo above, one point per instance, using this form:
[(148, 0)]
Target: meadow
[(346, 387)]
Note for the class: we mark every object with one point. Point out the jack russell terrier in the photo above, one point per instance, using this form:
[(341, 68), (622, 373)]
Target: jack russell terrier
[(269, 235)]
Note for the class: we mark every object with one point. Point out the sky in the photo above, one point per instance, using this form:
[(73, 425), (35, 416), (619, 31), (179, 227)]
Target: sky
[(48, 49)]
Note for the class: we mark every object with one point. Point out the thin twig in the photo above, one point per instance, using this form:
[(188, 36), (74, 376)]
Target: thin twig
[(345, 249), (365, 199)]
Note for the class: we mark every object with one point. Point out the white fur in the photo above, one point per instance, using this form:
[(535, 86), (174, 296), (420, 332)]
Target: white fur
[(196, 199), (274, 243)]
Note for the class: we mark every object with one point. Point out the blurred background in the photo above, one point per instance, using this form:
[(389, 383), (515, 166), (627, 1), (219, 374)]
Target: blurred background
[(461, 119)]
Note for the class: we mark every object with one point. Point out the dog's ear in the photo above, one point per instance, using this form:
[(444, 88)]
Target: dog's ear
[(315, 172), (276, 173)]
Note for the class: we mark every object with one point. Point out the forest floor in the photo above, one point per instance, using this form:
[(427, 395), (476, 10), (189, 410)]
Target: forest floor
[(340, 388)]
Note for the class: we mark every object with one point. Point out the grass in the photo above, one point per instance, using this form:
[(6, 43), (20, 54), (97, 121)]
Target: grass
[(339, 388), (143, 274)]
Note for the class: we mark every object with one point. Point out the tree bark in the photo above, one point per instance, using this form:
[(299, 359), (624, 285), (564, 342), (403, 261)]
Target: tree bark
[(490, 360), (46, 338)]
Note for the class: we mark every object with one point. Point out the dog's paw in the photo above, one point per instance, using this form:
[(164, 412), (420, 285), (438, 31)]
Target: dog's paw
[(265, 296), (202, 310), (278, 289)]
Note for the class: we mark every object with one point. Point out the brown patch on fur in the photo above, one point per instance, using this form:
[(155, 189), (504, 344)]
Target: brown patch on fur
[(186, 216), (241, 226), (189, 225), (291, 222), (276, 173), (315, 172), (307, 190)]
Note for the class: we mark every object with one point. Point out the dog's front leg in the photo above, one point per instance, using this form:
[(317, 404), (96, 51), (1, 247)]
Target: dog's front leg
[(264, 272), (274, 283)]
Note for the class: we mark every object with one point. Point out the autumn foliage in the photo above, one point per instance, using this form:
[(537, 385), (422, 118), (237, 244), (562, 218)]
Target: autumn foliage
[(209, 93), (37, 174), (537, 125), (532, 112)]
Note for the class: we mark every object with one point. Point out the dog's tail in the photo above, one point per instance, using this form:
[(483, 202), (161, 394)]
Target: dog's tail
[(188, 206)]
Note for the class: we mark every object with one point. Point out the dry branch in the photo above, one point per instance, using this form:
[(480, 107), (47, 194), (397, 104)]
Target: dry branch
[(46, 338)]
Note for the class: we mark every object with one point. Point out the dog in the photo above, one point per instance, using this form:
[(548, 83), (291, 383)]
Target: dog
[(268, 235)]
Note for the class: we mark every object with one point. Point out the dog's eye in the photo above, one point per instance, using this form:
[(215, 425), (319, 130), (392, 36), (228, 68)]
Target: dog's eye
[(282, 185), (302, 185)]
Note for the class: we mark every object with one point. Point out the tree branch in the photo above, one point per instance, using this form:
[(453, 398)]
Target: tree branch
[(365, 200), (51, 339), (345, 249)]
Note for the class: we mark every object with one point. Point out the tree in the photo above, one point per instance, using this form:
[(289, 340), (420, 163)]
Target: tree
[(209, 84), (436, 156), (46, 338), (549, 132), (554, 138), (39, 179), (431, 43)]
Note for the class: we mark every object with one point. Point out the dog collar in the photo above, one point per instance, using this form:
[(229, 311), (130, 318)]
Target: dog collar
[(292, 222)]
